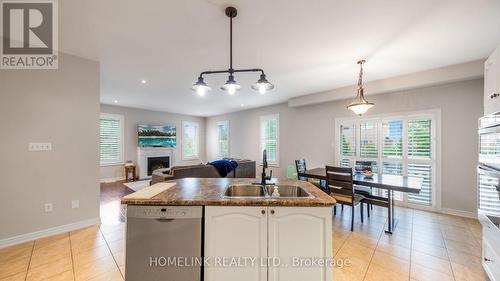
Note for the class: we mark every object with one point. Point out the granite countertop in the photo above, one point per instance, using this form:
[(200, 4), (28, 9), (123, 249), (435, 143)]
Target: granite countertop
[(210, 192)]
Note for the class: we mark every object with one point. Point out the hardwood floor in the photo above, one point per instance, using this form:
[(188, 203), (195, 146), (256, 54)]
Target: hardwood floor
[(112, 212), (424, 247)]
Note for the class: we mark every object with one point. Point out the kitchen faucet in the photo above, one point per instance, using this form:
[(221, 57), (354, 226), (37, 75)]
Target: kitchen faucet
[(264, 167)]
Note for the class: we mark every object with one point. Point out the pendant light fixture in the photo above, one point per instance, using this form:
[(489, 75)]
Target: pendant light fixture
[(231, 86), (360, 105)]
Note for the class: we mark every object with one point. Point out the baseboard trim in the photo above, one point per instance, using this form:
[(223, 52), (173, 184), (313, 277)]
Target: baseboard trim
[(48, 232), (459, 213), (108, 180)]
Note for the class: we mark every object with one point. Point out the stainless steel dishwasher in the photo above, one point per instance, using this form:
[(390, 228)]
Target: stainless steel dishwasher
[(163, 243)]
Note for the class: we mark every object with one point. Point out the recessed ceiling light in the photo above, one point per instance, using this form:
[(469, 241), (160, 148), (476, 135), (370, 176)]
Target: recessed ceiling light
[(143, 81), (242, 105), (115, 101)]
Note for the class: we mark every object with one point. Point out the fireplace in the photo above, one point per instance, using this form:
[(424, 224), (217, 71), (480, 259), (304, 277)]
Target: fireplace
[(155, 163), (151, 158)]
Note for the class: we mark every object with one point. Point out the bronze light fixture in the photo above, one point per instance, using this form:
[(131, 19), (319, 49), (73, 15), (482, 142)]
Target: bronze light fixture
[(231, 86), (360, 105)]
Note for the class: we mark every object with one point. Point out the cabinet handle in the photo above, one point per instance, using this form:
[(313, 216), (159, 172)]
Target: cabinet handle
[(494, 95), (487, 259), (263, 212), (272, 212)]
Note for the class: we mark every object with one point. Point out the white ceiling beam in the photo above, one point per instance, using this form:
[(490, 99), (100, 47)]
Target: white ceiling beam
[(443, 75)]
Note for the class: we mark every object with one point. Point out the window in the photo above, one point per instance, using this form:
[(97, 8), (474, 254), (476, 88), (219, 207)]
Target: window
[(348, 140), (223, 138), (368, 140), (420, 158), (190, 140), (269, 138), (111, 139), (396, 145), (419, 139), (392, 134)]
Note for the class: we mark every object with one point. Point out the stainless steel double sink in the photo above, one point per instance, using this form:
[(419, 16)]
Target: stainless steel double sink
[(265, 191)]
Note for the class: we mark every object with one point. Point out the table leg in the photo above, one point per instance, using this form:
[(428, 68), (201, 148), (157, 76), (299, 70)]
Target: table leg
[(389, 212), (393, 213)]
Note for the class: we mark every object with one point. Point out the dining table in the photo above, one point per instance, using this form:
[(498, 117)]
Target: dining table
[(391, 183)]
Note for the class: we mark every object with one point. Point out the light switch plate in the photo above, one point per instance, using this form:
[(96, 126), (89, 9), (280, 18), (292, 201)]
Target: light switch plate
[(49, 207), (75, 204), (40, 146)]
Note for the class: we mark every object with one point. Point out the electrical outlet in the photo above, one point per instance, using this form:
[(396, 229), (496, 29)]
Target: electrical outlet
[(49, 207), (39, 146), (75, 204)]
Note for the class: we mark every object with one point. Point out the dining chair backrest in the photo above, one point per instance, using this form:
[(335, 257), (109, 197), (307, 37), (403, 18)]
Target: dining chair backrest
[(340, 180), (361, 166), (301, 168)]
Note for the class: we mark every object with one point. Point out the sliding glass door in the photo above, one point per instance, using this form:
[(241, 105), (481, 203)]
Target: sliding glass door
[(396, 145)]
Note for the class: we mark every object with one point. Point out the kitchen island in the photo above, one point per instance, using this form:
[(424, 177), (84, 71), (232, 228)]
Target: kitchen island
[(246, 233)]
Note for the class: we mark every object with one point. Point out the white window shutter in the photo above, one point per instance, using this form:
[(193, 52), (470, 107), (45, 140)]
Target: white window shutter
[(111, 139), (368, 143), (269, 138)]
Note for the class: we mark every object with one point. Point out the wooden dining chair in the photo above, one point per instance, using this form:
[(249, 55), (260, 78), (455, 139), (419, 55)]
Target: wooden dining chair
[(360, 167), (341, 188), (300, 165)]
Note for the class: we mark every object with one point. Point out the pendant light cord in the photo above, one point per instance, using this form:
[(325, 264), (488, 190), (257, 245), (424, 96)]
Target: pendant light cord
[(230, 45), (360, 79)]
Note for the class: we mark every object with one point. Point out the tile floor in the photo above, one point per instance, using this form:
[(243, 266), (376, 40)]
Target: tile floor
[(425, 247)]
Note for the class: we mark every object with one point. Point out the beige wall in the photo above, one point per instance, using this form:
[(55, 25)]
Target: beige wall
[(58, 106), (134, 117), (308, 132)]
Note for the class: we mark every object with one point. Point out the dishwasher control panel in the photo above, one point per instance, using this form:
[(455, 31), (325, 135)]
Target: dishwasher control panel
[(164, 212)]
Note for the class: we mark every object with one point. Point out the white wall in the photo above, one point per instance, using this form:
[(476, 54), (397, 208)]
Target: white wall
[(134, 117), (308, 132), (58, 106)]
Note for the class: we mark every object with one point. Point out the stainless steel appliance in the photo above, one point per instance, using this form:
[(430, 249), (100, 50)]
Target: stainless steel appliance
[(489, 165), (163, 243)]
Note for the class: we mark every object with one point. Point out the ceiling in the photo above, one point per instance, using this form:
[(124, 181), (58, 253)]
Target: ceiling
[(304, 46)]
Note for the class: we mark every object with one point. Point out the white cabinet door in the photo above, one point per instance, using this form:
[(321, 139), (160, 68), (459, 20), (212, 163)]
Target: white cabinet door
[(491, 262), (492, 83), (232, 232), (300, 232), (491, 252)]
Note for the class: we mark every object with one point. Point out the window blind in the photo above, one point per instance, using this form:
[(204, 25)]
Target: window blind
[(110, 140), (269, 137), (345, 163), (368, 140), (423, 171), (392, 134), (419, 139), (348, 140), (190, 140), (223, 135), (393, 168)]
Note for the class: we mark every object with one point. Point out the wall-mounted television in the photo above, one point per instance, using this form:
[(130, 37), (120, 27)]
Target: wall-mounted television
[(156, 136)]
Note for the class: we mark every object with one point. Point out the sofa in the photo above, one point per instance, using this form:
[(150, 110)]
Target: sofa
[(245, 169)]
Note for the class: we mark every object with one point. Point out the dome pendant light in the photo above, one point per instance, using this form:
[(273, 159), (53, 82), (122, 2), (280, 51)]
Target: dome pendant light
[(231, 86), (360, 105)]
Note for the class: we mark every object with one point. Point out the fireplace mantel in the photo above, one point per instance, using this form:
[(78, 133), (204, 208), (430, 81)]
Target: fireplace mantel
[(143, 153)]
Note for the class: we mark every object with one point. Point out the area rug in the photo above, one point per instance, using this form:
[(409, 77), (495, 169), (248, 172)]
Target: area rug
[(137, 185)]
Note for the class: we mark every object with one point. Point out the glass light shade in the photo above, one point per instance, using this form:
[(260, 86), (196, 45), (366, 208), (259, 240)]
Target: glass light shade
[(231, 86), (200, 87), (262, 85), (360, 108), (360, 105)]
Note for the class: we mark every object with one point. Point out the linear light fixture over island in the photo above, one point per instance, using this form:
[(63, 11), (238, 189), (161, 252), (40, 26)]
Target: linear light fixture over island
[(231, 86)]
